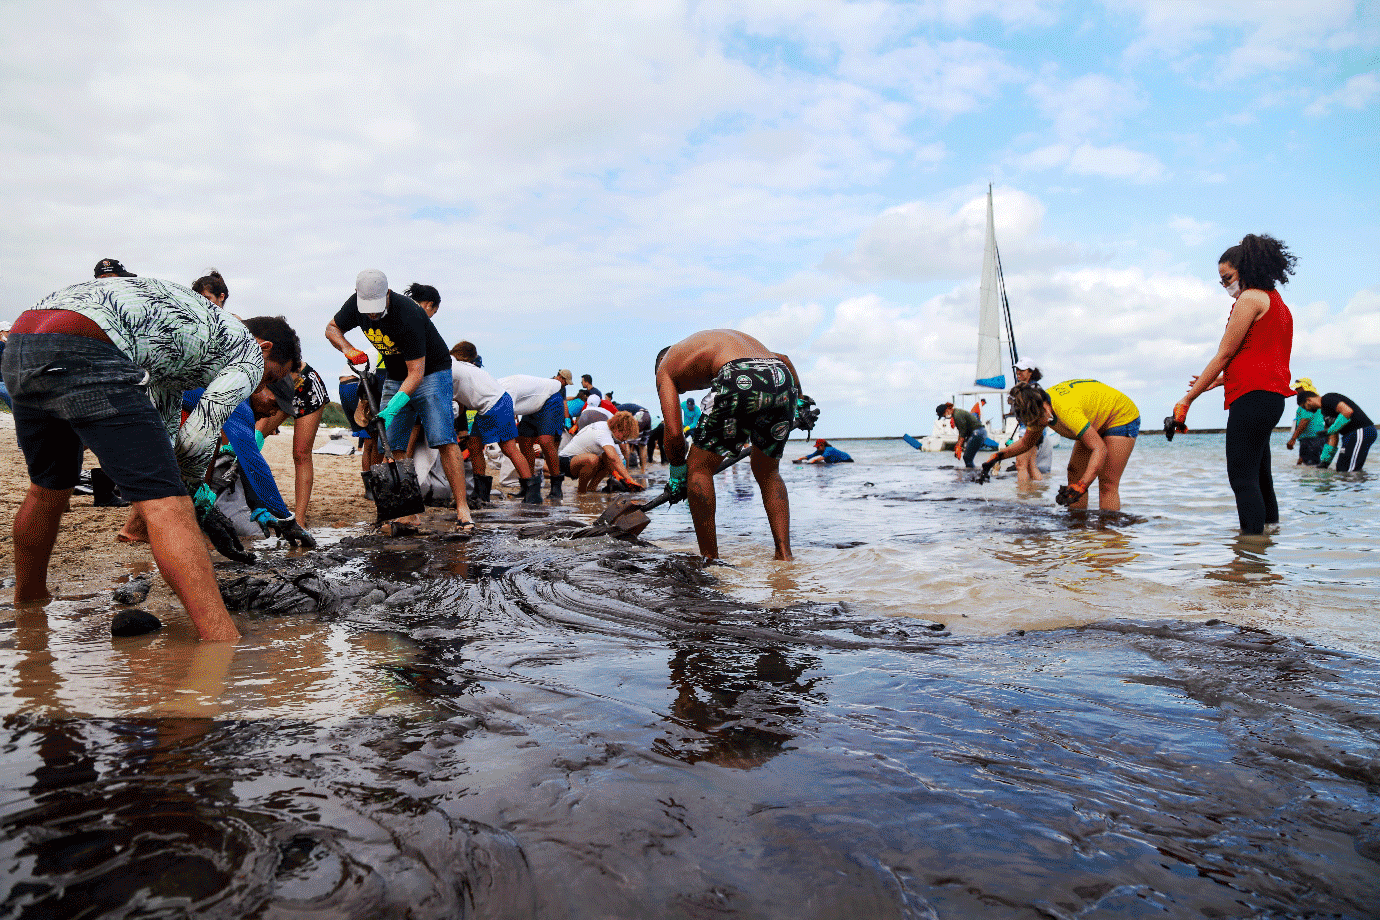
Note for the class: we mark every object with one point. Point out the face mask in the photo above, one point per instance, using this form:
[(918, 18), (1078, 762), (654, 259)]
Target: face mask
[(1235, 290)]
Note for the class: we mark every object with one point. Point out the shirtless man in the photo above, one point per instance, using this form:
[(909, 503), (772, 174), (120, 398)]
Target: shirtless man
[(754, 399)]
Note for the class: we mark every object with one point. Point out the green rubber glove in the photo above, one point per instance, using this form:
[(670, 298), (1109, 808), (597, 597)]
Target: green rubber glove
[(1328, 452), (394, 406), (203, 499), (259, 439), (676, 483), (1338, 423)]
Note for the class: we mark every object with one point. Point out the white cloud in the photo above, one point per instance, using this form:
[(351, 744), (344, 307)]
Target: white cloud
[(1193, 232), (786, 328), (1357, 94), (1090, 105), (1352, 334), (1113, 162)]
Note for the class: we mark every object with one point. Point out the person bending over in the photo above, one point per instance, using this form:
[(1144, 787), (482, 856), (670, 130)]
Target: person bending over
[(419, 381), (1102, 422), (1350, 432), (755, 392), (593, 453), (540, 406), (494, 423), (1309, 428), (104, 364)]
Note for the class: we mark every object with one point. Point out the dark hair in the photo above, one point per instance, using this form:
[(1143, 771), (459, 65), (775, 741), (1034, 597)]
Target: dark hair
[(659, 355), (287, 349), (1028, 403), (423, 292), (1035, 375), (465, 351), (940, 409), (1261, 262), (1304, 396), (211, 283), (584, 377)]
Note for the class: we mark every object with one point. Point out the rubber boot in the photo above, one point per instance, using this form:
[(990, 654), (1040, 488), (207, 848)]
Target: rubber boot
[(105, 492), (555, 494), (483, 490), (531, 490)]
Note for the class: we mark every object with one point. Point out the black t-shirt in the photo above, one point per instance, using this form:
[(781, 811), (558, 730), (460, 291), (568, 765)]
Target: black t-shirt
[(403, 334), (1359, 419)]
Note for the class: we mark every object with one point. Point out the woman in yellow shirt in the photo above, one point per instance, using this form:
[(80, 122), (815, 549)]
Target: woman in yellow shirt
[(1102, 422)]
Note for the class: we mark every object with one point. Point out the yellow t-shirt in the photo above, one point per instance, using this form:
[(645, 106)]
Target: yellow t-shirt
[(1080, 403)]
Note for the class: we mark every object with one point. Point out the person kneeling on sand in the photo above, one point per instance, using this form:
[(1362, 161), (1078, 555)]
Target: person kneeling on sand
[(104, 364), (593, 453)]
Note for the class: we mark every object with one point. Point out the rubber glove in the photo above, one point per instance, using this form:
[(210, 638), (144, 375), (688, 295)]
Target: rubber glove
[(987, 467), (355, 356), (258, 439), (286, 527), (203, 499), (676, 483), (221, 532), (394, 406), (1328, 452), (1338, 423), (1070, 494)]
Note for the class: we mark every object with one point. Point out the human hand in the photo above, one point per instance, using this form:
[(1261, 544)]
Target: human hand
[(394, 406), (676, 484), (1289, 445), (806, 413), (1328, 452), (203, 500), (221, 532), (1071, 494), (355, 356), (987, 468)]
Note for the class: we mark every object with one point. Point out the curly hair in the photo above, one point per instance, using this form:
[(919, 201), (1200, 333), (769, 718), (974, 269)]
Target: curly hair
[(1028, 401), (211, 283), (1261, 262), (287, 348)]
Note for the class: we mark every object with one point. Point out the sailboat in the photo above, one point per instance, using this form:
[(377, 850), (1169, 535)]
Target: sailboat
[(994, 318)]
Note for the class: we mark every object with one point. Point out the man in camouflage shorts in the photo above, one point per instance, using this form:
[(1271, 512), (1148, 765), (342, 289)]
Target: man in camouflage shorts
[(752, 400)]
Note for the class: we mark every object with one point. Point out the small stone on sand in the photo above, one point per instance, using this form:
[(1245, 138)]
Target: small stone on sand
[(134, 622)]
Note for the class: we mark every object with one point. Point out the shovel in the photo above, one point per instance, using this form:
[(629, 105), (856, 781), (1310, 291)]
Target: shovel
[(626, 516), (392, 483)]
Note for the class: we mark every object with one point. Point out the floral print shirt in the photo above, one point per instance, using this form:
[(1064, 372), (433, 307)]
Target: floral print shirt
[(183, 341)]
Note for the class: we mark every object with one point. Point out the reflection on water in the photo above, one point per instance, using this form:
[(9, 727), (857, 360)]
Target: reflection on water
[(536, 726)]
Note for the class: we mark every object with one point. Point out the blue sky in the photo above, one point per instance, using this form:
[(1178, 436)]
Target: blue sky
[(586, 182)]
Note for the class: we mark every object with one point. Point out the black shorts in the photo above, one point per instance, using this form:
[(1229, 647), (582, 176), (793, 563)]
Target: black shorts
[(565, 466), (70, 391)]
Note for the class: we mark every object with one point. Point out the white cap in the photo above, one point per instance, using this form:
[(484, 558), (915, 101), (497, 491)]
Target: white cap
[(1025, 364), (593, 401), (4, 325), (371, 288)]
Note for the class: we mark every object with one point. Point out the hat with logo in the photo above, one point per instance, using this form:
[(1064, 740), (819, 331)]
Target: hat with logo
[(371, 291), (112, 267)]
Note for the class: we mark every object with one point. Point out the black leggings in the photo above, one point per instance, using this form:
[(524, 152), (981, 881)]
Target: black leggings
[(1250, 420)]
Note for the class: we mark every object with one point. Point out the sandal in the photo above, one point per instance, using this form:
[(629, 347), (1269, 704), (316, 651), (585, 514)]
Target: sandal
[(464, 528)]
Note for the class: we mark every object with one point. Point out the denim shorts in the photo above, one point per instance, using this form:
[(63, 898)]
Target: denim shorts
[(1130, 430), (548, 420), (430, 405), (497, 425), (70, 391)]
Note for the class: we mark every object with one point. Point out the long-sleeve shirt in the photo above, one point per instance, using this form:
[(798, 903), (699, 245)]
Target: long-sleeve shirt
[(183, 341)]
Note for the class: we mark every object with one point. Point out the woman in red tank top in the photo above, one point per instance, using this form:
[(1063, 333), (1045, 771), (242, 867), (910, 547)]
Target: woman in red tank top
[(1252, 366)]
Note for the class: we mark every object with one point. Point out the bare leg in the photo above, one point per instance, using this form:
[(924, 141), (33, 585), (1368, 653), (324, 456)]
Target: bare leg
[(547, 443), (135, 530), (1026, 470), (1109, 477), (700, 468), (453, 463), (303, 440), (477, 461), (180, 551), (1078, 462), (35, 531), (774, 500), (510, 450)]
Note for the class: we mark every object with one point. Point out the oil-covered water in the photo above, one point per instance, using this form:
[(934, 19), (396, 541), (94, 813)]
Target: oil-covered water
[(1127, 715)]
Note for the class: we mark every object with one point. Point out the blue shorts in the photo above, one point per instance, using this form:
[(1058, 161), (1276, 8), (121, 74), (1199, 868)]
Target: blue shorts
[(430, 405), (1130, 430), (496, 425), (70, 390), (548, 420)]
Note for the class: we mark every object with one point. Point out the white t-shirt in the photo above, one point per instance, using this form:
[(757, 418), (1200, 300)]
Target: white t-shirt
[(475, 388), (591, 439), (529, 393)]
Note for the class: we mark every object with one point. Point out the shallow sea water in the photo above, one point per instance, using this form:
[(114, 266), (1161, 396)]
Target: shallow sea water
[(1128, 715)]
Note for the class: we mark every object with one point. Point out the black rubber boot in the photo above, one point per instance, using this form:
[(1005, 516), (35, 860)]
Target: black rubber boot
[(531, 490), (483, 491), (105, 492), (555, 494)]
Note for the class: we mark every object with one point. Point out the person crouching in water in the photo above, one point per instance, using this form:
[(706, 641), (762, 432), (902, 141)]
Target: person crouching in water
[(1102, 422), (592, 453)]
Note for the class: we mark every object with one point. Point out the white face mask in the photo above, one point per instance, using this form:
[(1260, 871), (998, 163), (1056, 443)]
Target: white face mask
[(1235, 290)]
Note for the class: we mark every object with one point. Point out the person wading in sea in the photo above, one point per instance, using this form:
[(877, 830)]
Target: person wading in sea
[(754, 395)]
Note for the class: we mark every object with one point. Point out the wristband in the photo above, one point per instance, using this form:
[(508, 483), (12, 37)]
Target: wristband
[(258, 439)]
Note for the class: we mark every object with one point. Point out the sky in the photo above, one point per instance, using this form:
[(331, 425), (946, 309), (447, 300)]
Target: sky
[(587, 182)]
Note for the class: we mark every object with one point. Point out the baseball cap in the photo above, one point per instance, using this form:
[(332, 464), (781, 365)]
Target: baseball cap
[(1025, 364), (371, 290), (1304, 383), (820, 442), (565, 376), (112, 267)]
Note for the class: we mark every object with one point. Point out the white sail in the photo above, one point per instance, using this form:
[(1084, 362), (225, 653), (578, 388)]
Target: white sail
[(989, 363)]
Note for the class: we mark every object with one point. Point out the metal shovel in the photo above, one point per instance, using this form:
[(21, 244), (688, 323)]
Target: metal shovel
[(393, 483)]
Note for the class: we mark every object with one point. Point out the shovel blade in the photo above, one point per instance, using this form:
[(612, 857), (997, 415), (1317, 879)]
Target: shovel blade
[(619, 506), (630, 524), (395, 489)]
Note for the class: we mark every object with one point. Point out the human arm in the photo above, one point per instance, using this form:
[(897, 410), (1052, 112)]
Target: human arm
[(617, 470), (336, 337), (1249, 307), (1342, 420), (416, 370), (1030, 439)]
